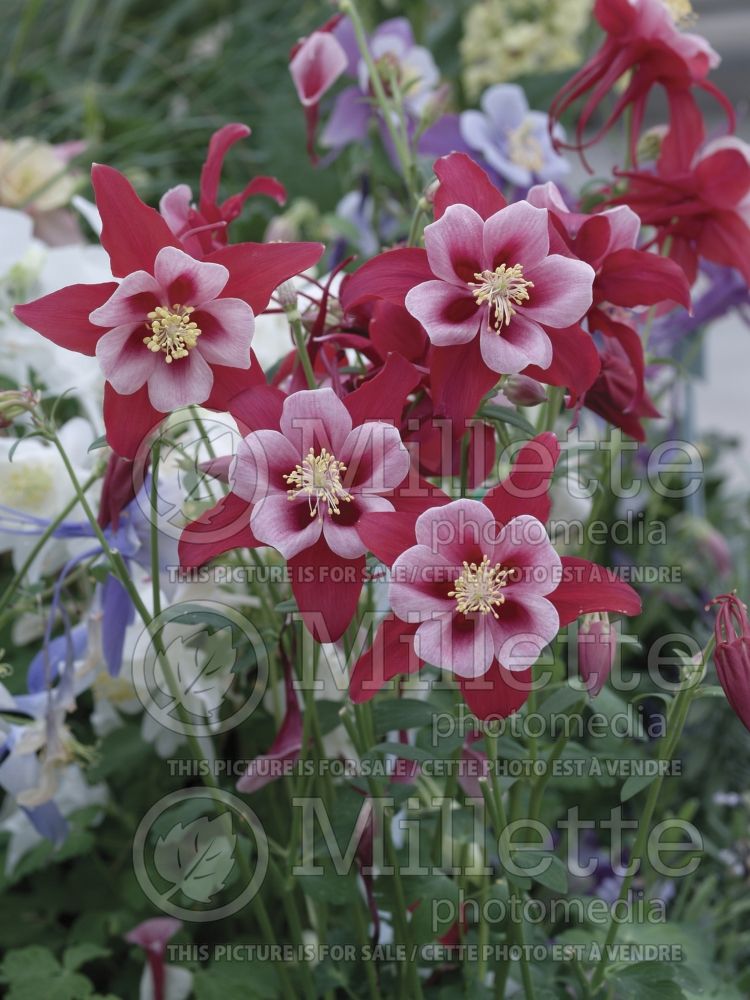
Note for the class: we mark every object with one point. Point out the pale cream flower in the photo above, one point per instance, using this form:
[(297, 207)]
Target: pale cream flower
[(33, 176)]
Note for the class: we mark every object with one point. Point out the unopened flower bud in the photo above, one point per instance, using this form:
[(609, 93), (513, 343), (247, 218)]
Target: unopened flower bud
[(597, 645), (14, 402), (732, 654), (286, 293), (524, 391)]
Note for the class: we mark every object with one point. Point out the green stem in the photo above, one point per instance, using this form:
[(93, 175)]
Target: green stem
[(400, 145), (120, 569), (295, 323), (155, 589), (679, 711)]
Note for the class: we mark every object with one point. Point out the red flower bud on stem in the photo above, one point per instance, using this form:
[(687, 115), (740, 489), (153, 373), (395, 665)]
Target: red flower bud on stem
[(732, 654), (597, 645)]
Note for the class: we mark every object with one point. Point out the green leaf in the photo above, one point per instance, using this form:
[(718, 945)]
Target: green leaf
[(34, 972), (234, 979), (647, 981), (505, 415), (635, 784), (402, 713), (554, 876), (79, 954), (100, 442), (329, 886)]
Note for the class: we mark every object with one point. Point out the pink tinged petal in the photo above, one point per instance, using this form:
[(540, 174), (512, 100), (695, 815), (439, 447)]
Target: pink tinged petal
[(316, 66), (524, 547), (458, 531), (340, 530), (285, 524), (184, 382), (562, 291), (131, 301), (286, 746), (64, 316), (517, 234), (227, 327), (315, 418), (125, 360), (420, 582), (175, 208), (375, 458), (523, 628), (523, 342), (187, 281), (464, 646), (454, 245), (262, 461), (449, 315)]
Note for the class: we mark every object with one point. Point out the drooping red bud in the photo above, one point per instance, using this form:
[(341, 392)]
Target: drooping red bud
[(732, 654), (597, 645)]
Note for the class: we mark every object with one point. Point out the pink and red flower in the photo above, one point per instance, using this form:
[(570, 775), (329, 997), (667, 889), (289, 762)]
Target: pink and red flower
[(310, 469), (643, 40), (482, 591), (175, 330), (202, 228)]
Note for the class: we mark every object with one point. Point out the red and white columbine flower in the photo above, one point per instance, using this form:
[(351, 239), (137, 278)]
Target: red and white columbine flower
[(317, 475), (311, 467), (482, 591), (496, 278), (175, 330), (165, 330), (478, 589)]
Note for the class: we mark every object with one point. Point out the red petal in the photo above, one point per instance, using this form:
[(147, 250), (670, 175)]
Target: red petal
[(230, 382), (638, 278), (416, 495), (286, 746), (132, 233), (219, 145), (463, 182), (387, 534), (498, 694), (393, 329), (63, 316), (258, 409), (257, 269), (129, 420), (327, 589), (575, 362), (392, 653), (526, 489), (224, 527), (459, 379), (388, 276), (587, 587), (384, 396)]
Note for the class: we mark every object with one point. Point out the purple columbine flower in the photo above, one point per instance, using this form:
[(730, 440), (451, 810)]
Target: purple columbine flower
[(506, 138), (396, 55)]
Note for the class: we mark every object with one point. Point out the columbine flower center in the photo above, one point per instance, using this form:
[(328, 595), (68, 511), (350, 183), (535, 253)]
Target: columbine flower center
[(682, 12), (501, 289), (172, 331), (480, 588), (524, 149), (318, 478)]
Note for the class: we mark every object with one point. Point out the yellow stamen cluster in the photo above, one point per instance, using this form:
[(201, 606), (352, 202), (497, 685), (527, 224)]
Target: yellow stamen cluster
[(318, 478), (501, 289), (682, 12), (172, 331), (479, 588)]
